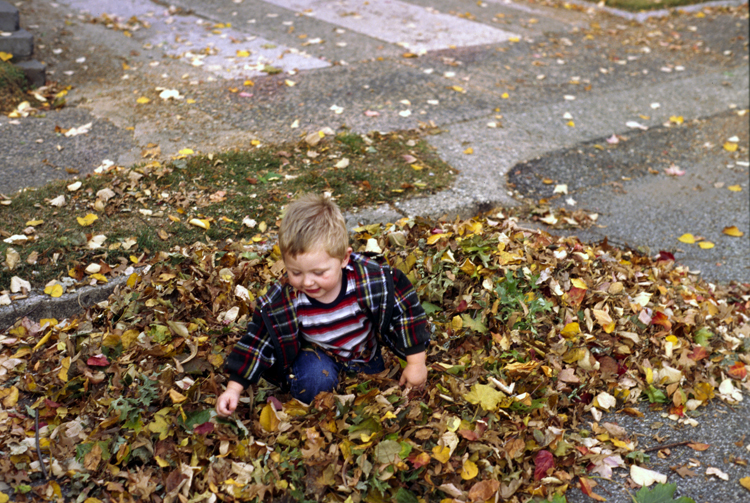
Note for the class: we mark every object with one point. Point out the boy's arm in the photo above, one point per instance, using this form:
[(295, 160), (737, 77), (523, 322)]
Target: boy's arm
[(409, 322), (252, 355)]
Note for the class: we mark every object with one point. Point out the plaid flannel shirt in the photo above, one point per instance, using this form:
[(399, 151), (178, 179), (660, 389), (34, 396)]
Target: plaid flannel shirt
[(272, 339)]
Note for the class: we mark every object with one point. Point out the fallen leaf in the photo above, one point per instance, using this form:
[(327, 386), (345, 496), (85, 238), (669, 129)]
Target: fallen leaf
[(733, 231), (87, 220), (686, 238), (644, 477)]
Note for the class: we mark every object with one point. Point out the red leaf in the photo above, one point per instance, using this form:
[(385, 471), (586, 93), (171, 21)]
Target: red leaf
[(665, 256), (586, 488), (543, 461), (97, 361), (468, 435), (275, 402), (737, 371), (575, 296), (419, 459), (660, 318), (462, 306), (699, 353), (204, 429)]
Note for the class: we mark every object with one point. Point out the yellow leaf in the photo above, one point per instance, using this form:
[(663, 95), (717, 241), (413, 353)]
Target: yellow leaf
[(458, 89), (34, 223), (733, 231), (4, 498), (703, 391), (243, 54), (268, 419), (442, 454), (173, 218), (469, 470), (65, 366), (87, 220), (514, 39), (677, 119), (686, 238), (9, 396), (55, 290), (735, 188), (730, 146), (417, 167), (43, 341), (248, 83), (469, 151), (143, 100), (128, 338), (579, 283), (745, 481), (99, 277), (571, 124), (571, 330), (162, 422), (176, 396), (457, 323), (4, 56), (649, 375), (505, 96), (706, 245), (202, 223), (186, 151), (488, 397), (435, 238)]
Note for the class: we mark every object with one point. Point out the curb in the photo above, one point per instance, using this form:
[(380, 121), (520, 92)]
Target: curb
[(39, 306), (641, 17)]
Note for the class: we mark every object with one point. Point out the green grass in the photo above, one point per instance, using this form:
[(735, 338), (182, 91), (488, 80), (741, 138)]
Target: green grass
[(13, 85), (154, 204)]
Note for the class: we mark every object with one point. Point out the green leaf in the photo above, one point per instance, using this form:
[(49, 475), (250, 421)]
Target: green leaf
[(404, 496), (472, 324), (430, 308), (195, 418), (655, 395), (387, 452), (559, 498), (660, 493)]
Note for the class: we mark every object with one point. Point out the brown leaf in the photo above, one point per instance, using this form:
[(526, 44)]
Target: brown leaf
[(484, 490)]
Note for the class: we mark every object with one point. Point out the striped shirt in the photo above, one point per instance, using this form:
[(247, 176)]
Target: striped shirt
[(341, 327)]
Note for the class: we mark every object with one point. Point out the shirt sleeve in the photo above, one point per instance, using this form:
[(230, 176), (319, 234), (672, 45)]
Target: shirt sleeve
[(409, 321), (252, 355)]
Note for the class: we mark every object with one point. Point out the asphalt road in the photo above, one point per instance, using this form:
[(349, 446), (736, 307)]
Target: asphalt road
[(535, 90)]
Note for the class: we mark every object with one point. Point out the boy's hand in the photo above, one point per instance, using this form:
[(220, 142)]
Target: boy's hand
[(415, 372), (227, 401)]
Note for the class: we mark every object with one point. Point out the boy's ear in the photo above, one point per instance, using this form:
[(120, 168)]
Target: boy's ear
[(345, 260)]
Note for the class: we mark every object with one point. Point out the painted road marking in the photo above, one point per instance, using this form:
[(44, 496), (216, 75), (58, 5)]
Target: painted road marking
[(213, 46), (415, 28)]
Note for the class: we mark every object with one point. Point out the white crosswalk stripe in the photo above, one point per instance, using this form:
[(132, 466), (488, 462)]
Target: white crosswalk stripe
[(418, 29), (216, 47)]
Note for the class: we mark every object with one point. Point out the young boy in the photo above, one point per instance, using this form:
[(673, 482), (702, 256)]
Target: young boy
[(329, 313)]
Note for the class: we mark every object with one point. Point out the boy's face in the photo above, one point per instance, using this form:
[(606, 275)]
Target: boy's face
[(317, 274)]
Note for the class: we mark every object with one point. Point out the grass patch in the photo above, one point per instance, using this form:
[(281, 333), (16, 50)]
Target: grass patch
[(238, 195), (646, 5), (13, 85)]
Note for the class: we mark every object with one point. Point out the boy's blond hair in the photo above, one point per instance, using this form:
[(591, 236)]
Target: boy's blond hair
[(310, 222)]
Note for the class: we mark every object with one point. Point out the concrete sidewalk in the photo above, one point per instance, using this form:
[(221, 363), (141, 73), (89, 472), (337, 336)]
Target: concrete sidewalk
[(535, 91)]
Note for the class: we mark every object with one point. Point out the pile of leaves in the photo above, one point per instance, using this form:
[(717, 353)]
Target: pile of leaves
[(534, 337)]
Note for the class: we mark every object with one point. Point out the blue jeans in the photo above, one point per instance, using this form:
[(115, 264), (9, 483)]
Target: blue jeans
[(313, 371)]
